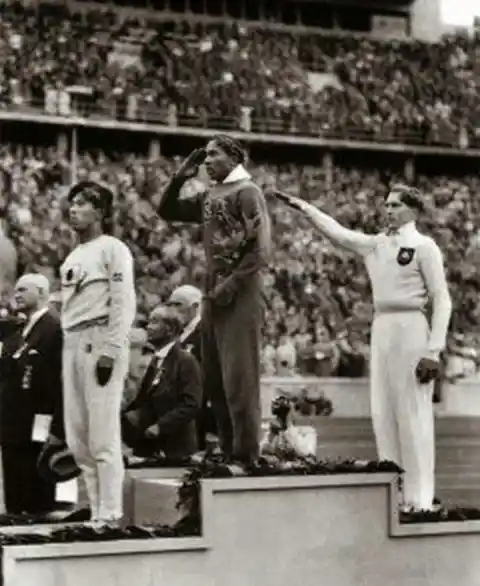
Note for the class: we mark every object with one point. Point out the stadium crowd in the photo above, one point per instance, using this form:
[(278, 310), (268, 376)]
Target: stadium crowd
[(238, 76), (318, 297)]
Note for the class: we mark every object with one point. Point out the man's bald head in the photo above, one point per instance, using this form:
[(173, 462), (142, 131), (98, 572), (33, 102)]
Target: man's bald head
[(32, 292), (186, 296), (187, 299)]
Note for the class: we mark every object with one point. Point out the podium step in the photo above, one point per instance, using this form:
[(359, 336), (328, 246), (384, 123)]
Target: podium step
[(155, 501), (141, 485)]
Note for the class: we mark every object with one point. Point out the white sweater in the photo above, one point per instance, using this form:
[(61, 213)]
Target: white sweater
[(98, 281)]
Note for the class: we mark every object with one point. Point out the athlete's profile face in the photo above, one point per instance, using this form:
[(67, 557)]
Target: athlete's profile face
[(217, 163), (82, 213), (397, 212)]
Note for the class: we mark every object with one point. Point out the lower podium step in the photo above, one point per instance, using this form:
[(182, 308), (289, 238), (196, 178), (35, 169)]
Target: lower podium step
[(155, 501), (150, 495)]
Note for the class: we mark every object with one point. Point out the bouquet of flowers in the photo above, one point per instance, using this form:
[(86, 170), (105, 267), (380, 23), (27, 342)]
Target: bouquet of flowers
[(285, 440)]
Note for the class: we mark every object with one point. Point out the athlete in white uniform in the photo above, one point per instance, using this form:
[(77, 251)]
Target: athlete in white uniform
[(98, 310), (406, 271)]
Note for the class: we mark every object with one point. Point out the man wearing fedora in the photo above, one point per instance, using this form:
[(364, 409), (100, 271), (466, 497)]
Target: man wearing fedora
[(161, 420), (31, 393)]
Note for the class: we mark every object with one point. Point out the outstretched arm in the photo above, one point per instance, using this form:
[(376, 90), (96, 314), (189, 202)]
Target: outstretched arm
[(351, 240)]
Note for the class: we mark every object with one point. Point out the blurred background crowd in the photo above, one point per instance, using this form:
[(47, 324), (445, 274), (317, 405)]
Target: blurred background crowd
[(244, 76), (319, 307), (228, 76)]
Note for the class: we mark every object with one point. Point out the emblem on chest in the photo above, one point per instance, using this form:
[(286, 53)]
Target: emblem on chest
[(73, 274), (405, 256)]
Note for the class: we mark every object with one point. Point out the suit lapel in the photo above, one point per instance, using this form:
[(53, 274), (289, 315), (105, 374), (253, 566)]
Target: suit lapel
[(163, 375), (34, 332)]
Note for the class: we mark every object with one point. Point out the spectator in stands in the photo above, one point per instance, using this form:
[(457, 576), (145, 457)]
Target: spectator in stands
[(239, 77), (306, 286), (462, 359), (8, 264)]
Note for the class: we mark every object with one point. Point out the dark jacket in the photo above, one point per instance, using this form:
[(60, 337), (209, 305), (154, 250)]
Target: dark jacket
[(30, 379), (171, 398), (193, 344)]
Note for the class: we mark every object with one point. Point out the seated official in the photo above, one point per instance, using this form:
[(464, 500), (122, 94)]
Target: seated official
[(188, 299), (161, 420)]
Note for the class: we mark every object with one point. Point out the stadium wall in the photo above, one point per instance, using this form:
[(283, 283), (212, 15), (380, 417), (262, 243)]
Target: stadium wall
[(351, 396)]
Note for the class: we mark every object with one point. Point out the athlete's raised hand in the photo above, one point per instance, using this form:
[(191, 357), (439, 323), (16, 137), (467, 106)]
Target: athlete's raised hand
[(290, 200), (189, 167)]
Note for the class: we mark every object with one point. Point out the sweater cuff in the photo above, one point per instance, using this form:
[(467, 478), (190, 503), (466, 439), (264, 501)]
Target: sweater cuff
[(433, 355), (110, 349)]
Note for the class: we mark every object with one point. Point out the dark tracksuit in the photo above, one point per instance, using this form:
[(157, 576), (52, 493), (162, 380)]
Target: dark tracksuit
[(237, 241)]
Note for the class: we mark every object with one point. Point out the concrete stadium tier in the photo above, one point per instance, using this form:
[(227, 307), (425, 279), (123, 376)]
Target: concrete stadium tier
[(273, 531)]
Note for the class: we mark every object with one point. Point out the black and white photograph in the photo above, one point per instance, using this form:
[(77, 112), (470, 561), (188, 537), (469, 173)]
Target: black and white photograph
[(239, 292)]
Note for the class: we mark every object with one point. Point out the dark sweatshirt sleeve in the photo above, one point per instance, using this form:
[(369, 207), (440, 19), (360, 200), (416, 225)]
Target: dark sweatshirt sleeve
[(173, 209), (255, 247)]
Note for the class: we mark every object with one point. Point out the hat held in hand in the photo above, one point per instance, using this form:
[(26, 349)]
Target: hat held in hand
[(56, 462)]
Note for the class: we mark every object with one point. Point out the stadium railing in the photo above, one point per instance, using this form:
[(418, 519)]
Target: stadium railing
[(152, 119)]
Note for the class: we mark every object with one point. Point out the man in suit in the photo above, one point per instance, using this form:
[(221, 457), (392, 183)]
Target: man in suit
[(161, 420), (188, 299), (31, 393)]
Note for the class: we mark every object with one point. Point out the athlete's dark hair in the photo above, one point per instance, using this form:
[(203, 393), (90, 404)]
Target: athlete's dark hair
[(232, 147), (100, 197), (410, 196)]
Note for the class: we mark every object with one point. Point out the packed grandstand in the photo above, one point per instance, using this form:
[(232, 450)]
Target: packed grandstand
[(192, 74)]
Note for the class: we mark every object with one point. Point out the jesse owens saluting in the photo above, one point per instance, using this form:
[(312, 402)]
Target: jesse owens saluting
[(98, 310), (236, 229), (406, 271)]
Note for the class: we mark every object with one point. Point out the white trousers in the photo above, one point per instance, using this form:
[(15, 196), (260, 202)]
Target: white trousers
[(402, 410), (92, 420)]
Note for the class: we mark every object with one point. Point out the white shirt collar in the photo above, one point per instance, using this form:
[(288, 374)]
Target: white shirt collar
[(190, 327), (36, 315), (408, 228), (165, 351), (237, 174)]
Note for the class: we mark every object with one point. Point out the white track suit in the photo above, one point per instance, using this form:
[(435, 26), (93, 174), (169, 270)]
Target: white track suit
[(98, 309), (405, 270), (401, 408)]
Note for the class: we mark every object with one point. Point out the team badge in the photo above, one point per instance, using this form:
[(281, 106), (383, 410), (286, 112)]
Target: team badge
[(405, 256), (74, 275)]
